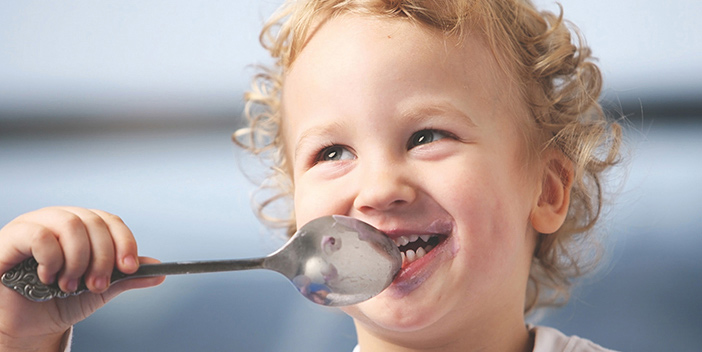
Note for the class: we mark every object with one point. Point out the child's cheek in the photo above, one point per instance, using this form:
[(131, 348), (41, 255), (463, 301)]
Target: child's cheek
[(315, 201)]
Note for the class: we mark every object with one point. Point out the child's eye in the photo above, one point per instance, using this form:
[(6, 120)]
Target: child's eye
[(335, 153), (425, 137)]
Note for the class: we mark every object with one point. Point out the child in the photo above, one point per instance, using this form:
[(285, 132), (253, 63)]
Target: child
[(467, 130), (471, 123)]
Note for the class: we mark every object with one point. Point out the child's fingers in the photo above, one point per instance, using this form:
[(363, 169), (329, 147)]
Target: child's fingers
[(125, 245), (70, 244), (46, 250), (102, 251), (72, 235)]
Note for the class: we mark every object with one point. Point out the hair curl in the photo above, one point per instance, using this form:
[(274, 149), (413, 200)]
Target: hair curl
[(558, 81)]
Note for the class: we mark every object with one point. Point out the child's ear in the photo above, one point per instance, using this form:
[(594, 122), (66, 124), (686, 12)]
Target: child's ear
[(553, 202)]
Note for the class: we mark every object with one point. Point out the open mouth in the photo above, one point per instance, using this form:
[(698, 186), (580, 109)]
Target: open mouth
[(414, 247)]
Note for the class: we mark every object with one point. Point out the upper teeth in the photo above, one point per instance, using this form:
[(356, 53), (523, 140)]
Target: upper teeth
[(404, 240), (410, 255)]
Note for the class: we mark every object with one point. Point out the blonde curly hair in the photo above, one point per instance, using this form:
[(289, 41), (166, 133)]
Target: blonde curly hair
[(558, 81)]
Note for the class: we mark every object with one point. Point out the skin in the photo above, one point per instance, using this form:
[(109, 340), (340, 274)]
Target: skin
[(68, 243), (416, 133)]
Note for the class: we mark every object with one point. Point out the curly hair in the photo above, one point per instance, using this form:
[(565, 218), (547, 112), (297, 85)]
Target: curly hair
[(558, 81)]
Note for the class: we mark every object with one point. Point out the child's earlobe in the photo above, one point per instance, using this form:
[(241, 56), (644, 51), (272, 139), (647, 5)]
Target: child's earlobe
[(551, 208)]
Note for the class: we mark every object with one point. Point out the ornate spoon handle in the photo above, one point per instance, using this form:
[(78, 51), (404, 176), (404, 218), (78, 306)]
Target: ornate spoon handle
[(24, 280)]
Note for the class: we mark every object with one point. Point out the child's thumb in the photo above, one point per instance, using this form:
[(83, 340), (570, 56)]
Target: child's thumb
[(131, 284)]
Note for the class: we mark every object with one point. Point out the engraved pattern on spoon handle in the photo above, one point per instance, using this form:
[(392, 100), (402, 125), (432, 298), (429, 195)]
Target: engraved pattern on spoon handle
[(23, 278)]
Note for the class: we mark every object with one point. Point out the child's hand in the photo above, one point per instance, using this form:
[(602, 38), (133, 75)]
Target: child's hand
[(69, 244)]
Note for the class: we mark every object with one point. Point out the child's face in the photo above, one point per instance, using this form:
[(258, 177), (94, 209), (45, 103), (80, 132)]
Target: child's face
[(398, 126)]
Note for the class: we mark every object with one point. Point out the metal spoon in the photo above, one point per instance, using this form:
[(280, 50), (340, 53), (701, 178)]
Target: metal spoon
[(333, 261)]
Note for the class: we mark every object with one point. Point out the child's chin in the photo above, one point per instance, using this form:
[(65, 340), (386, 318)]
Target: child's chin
[(392, 315)]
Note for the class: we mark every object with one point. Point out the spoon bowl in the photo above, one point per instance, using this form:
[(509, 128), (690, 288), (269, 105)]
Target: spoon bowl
[(338, 261), (333, 261)]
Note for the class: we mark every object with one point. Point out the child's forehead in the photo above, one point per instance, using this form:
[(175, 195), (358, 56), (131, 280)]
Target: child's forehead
[(397, 61), (367, 33), (388, 45), (370, 34)]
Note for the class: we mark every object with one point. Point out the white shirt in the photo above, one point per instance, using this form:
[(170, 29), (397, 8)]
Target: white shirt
[(66, 341), (551, 340)]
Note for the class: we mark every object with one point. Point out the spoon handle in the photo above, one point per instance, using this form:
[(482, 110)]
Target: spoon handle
[(24, 280)]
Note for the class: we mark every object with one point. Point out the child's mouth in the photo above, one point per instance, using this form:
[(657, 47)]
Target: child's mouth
[(421, 255), (414, 247), (423, 252)]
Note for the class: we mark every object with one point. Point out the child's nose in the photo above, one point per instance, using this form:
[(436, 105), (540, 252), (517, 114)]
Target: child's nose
[(384, 188)]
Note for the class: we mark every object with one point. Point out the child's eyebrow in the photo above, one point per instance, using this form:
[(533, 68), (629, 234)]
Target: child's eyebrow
[(315, 131), (424, 112)]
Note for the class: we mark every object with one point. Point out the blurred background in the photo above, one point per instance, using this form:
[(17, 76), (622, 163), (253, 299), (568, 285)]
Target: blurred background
[(128, 106)]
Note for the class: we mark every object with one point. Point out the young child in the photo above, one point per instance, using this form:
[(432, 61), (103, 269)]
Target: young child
[(466, 130)]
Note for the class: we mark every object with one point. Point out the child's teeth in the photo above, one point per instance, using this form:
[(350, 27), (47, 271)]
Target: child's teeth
[(411, 256), (420, 252), (402, 241)]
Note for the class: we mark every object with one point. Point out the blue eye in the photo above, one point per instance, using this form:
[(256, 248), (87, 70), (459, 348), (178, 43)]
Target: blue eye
[(335, 153), (424, 137)]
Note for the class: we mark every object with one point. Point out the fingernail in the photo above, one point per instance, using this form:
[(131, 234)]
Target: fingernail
[(130, 262), (100, 283), (72, 285)]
